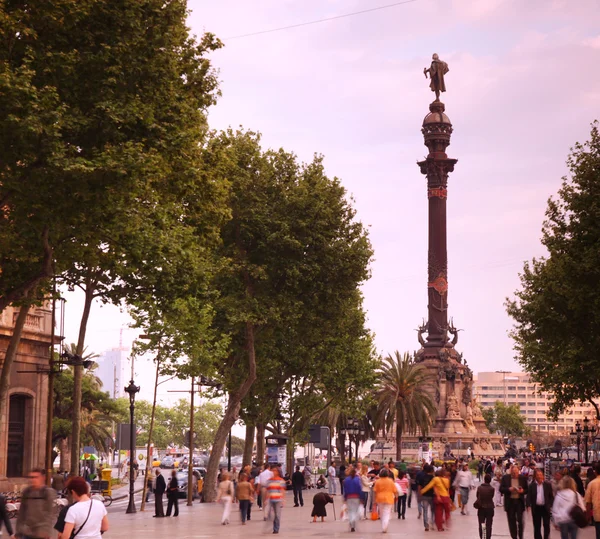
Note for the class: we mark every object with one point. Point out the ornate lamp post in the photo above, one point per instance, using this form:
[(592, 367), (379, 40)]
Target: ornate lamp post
[(352, 429), (588, 435), (131, 390), (576, 438)]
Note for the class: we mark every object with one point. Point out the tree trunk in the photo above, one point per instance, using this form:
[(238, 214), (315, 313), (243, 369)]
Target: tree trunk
[(260, 444), (289, 453), (341, 445), (398, 437), (248, 444), (9, 359), (150, 430), (65, 453), (230, 417), (78, 378)]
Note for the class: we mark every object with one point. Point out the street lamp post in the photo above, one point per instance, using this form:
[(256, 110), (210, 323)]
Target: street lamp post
[(131, 390), (588, 434), (576, 437)]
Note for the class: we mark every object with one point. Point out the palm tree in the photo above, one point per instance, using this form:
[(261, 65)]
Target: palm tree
[(403, 397)]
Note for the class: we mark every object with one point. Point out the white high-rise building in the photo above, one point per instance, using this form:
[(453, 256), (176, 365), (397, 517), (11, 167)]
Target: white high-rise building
[(114, 371), (518, 388)]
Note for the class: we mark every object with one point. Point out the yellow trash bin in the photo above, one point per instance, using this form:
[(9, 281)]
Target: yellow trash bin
[(107, 476)]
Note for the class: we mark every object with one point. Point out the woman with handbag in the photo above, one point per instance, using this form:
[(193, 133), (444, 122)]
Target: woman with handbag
[(225, 495), (568, 510), (86, 519), (484, 504)]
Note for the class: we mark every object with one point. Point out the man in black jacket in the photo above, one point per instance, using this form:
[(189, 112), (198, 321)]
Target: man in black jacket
[(514, 487), (159, 489), (540, 498), (173, 495), (297, 486)]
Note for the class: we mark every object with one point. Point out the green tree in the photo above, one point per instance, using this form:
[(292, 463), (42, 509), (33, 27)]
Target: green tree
[(292, 255), (105, 109), (403, 396), (556, 315), (506, 419)]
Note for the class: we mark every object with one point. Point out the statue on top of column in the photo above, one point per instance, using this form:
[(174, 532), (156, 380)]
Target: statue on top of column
[(436, 72)]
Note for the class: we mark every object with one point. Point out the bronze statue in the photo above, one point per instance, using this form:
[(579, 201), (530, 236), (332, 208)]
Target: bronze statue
[(436, 72)]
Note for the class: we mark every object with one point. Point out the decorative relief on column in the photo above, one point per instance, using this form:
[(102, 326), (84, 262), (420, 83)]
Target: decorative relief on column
[(439, 192)]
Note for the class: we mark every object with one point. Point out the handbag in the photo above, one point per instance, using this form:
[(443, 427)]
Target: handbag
[(476, 504), (75, 533), (578, 515)]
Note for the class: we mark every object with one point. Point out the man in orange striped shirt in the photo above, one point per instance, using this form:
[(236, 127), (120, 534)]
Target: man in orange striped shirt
[(276, 488)]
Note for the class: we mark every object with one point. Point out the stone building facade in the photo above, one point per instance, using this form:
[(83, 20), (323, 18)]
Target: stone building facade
[(23, 428)]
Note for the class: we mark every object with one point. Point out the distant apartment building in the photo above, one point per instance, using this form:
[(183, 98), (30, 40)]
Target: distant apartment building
[(114, 371), (517, 388)]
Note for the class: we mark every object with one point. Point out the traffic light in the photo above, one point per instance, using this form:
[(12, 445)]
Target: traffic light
[(531, 447)]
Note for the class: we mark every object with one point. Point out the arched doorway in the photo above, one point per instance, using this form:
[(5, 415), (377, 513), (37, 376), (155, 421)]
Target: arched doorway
[(17, 434)]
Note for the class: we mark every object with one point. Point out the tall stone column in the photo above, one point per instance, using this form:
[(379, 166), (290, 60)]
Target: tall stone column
[(436, 131)]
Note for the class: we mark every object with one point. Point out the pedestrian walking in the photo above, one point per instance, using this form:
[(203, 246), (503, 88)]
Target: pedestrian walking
[(441, 490), (514, 487), (36, 514), (540, 498), (173, 495), (464, 483), (225, 494), (331, 480), (275, 494), (412, 493), (148, 480), (484, 503), (298, 483), (320, 501), (385, 497), (86, 518), (352, 497), (159, 489), (424, 478), (264, 477), (592, 500), (365, 483), (403, 487), (565, 500), (496, 479), (4, 517), (243, 493)]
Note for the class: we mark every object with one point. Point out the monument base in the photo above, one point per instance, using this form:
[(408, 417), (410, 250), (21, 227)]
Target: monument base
[(438, 443)]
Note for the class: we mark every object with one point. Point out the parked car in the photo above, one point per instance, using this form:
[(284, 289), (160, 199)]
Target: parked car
[(167, 462), (182, 482)]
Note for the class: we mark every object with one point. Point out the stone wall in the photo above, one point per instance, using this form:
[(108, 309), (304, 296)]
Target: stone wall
[(32, 356)]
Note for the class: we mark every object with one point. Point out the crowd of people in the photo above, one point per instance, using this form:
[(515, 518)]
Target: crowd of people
[(566, 500)]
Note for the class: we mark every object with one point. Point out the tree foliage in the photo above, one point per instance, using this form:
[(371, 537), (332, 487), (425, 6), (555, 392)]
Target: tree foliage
[(403, 395), (557, 309), (506, 419), (172, 423)]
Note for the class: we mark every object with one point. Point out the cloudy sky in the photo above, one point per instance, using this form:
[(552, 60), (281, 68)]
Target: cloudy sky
[(523, 87)]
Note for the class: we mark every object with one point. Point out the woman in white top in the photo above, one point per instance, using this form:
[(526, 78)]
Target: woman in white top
[(86, 518), (566, 498)]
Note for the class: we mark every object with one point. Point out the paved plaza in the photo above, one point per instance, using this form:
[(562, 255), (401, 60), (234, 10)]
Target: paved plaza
[(204, 520)]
